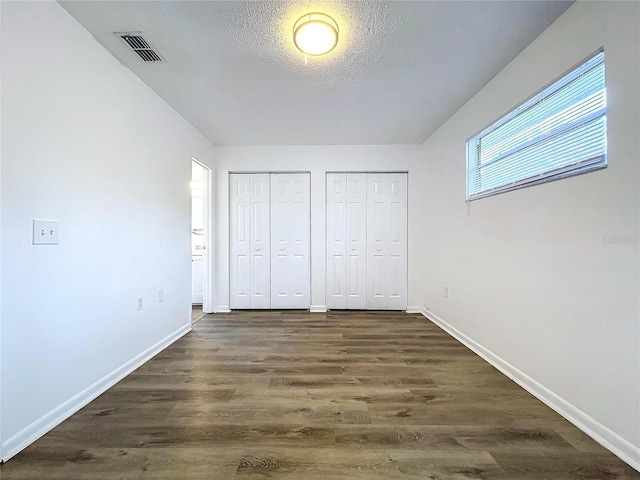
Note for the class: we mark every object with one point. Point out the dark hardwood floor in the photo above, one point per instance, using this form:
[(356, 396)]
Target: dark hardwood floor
[(294, 395), (196, 314)]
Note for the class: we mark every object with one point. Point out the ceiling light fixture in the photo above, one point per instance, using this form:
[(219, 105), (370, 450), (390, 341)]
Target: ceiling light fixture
[(315, 34)]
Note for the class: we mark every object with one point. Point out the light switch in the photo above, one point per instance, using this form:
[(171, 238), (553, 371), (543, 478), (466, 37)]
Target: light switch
[(45, 232)]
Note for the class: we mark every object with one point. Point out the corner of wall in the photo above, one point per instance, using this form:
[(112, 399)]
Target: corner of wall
[(18, 442), (1, 449), (596, 430)]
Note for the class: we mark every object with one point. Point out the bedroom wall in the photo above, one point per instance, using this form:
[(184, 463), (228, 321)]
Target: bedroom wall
[(544, 281), (85, 142)]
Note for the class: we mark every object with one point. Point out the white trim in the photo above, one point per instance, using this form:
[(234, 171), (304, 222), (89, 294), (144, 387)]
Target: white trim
[(416, 310), (222, 309), (318, 308), (621, 447), (13, 445)]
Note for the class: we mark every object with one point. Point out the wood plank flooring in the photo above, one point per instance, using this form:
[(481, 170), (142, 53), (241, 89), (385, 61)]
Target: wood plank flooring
[(294, 395), (196, 313)]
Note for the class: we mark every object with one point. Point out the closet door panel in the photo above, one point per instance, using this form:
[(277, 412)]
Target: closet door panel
[(249, 264), (240, 241), (395, 273), (280, 232), (241, 282), (269, 241), (377, 221), (397, 242), (260, 262), (335, 285), (387, 241), (290, 240), (377, 283), (356, 248), (300, 286), (336, 272)]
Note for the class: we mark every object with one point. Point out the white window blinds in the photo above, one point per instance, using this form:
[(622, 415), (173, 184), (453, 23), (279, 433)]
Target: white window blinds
[(560, 131)]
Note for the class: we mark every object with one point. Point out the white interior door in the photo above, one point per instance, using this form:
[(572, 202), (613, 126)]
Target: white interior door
[(197, 280), (249, 272), (201, 271), (346, 271), (198, 248), (290, 242), (387, 241)]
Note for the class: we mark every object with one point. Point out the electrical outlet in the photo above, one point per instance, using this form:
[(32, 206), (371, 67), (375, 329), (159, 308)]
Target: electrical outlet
[(139, 304), (446, 292), (160, 295), (45, 232)]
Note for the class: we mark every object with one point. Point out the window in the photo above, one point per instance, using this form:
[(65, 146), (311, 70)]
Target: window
[(558, 132)]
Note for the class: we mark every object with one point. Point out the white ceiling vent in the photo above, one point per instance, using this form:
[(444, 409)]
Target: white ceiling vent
[(141, 46)]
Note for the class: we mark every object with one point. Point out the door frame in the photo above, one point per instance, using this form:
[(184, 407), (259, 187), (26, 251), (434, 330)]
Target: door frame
[(207, 236)]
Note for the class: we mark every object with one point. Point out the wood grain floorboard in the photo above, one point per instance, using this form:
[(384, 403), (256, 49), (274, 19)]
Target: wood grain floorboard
[(335, 396)]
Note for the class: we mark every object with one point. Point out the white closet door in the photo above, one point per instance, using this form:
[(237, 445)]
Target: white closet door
[(290, 242), (346, 275), (336, 270), (387, 241), (260, 262), (356, 241), (366, 241), (249, 271), (239, 240)]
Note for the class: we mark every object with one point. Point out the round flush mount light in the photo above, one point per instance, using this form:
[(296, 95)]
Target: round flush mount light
[(315, 34)]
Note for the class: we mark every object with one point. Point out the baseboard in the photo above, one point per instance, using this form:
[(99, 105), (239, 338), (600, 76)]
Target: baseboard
[(313, 309), (18, 442), (604, 436), (416, 310)]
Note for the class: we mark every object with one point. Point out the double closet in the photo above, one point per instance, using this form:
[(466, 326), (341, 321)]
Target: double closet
[(270, 240), (366, 241), (365, 235)]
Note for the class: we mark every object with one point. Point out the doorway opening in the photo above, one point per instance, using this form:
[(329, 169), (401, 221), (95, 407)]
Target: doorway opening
[(200, 240)]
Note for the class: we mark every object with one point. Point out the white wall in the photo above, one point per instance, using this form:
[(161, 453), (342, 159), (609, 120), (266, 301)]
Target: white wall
[(87, 143), (317, 160), (545, 280), (1, 454)]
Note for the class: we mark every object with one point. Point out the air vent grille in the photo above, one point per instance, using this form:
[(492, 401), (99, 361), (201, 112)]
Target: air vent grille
[(141, 46)]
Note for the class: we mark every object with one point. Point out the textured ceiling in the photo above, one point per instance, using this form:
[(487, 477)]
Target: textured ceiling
[(400, 70)]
